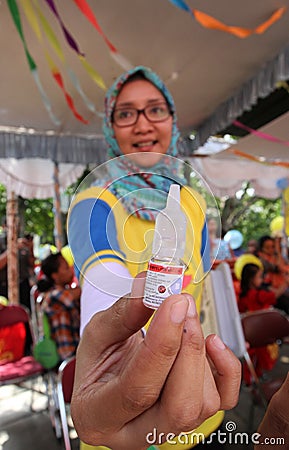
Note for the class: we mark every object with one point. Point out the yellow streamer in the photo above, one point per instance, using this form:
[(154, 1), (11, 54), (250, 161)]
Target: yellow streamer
[(57, 48), (49, 32), (31, 17), (50, 61), (34, 23), (94, 75)]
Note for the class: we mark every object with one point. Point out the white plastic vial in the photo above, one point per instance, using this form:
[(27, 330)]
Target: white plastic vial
[(166, 268)]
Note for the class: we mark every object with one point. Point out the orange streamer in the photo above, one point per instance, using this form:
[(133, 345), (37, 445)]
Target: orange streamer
[(276, 16), (210, 22), (259, 159)]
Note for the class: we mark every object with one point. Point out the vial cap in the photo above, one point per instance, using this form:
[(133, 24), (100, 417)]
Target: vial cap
[(170, 230)]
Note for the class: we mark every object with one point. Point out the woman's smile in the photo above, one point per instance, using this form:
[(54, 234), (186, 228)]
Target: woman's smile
[(145, 146)]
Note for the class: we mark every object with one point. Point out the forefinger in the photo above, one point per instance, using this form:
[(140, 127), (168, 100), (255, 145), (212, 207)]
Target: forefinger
[(226, 370)]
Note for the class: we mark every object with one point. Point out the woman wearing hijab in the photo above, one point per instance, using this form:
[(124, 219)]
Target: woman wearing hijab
[(131, 389)]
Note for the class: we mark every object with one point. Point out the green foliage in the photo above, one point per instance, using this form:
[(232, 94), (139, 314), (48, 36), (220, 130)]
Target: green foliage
[(255, 220), (37, 217), (249, 214), (3, 200)]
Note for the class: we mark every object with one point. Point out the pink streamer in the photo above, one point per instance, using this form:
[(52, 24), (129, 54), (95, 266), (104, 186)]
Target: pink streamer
[(260, 134)]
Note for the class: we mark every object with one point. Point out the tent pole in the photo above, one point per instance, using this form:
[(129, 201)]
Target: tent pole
[(58, 236), (12, 248)]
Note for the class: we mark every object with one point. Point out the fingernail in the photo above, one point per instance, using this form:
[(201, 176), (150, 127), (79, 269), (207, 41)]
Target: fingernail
[(179, 311), (137, 289), (218, 342), (192, 311)]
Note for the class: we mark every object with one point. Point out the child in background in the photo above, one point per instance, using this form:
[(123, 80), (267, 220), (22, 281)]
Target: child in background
[(275, 270), (61, 303), (253, 297)]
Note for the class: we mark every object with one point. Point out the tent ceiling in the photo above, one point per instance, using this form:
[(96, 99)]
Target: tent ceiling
[(204, 68), (265, 110)]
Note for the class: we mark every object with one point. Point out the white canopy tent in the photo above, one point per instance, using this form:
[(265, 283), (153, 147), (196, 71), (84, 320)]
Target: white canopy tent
[(225, 176), (213, 75), (34, 177)]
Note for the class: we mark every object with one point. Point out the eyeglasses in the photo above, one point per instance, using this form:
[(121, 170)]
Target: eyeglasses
[(125, 117)]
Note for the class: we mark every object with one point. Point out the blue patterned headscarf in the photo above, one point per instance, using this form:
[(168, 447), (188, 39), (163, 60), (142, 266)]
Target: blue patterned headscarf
[(142, 191)]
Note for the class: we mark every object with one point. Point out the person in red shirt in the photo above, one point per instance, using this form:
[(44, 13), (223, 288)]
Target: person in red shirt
[(253, 297), (275, 270)]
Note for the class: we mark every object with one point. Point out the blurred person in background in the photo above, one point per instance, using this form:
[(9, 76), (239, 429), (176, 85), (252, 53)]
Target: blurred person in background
[(60, 303), (276, 270)]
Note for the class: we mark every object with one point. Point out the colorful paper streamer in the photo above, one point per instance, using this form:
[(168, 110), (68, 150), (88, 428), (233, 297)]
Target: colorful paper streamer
[(181, 4), (59, 80), (31, 17), (33, 21), (45, 99), (86, 100), (53, 41), (51, 37), (210, 22), (259, 159), (69, 38), (73, 44), (88, 13), (13, 7), (260, 134), (92, 73)]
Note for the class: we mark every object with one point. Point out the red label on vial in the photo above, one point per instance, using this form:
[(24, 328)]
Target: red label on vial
[(165, 269)]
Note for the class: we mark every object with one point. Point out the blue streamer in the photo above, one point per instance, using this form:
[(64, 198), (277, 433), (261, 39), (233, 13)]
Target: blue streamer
[(181, 4)]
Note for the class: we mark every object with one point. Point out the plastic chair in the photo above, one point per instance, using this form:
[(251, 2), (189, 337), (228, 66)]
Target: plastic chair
[(17, 364), (262, 328), (219, 314), (65, 379)]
